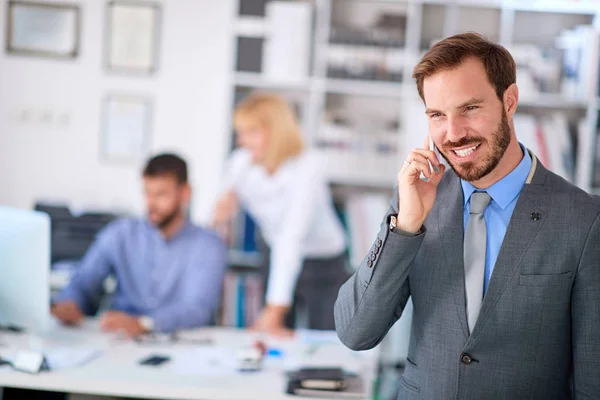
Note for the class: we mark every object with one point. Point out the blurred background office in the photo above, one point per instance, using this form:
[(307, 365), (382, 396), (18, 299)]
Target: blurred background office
[(90, 88)]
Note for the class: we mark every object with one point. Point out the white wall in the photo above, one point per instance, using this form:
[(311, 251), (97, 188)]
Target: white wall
[(191, 101)]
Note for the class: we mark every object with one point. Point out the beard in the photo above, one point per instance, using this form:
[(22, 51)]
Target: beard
[(165, 221), (498, 143)]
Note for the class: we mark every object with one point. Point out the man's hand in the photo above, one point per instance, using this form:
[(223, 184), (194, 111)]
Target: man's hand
[(116, 321), (416, 196), (271, 320), (68, 312)]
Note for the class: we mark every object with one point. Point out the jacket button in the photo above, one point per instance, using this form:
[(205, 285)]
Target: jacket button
[(369, 263), (466, 358), (372, 257), (379, 243), (376, 250)]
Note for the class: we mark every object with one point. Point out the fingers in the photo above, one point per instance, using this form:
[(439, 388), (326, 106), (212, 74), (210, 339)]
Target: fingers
[(428, 154), (436, 178), (283, 333), (66, 314), (418, 161), (108, 322), (417, 165), (231, 196)]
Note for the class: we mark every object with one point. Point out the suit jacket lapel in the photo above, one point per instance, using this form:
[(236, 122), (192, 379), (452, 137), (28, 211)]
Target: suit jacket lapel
[(521, 231), (450, 217)]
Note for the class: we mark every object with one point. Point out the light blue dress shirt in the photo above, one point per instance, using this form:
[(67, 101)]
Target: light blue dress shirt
[(176, 282), (504, 194)]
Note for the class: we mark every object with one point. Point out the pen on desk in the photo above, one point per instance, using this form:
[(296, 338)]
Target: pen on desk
[(435, 168)]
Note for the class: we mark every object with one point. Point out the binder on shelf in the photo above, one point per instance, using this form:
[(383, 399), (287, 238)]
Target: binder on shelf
[(286, 52)]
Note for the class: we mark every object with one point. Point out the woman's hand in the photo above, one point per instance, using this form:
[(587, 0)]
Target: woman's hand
[(271, 321), (226, 208)]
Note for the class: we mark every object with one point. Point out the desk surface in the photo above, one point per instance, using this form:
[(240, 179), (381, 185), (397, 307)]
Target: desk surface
[(189, 375)]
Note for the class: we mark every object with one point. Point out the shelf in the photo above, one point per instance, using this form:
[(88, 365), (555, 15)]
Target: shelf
[(362, 87), (239, 258), (379, 183), (563, 7), (256, 80), (552, 101), (250, 26), (555, 6)]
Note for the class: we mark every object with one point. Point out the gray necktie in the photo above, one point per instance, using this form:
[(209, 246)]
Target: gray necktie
[(474, 255)]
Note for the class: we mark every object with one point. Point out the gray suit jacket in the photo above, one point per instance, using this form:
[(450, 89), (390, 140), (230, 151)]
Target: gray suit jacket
[(538, 332)]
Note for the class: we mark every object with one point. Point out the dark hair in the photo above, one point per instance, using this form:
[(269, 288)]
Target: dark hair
[(167, 164), (451, 52)]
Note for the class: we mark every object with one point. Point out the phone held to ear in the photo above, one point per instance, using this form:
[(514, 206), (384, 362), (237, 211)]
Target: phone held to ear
[(433, 148)]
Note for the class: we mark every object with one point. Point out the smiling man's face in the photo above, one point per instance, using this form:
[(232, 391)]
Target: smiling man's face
[(467, 120)]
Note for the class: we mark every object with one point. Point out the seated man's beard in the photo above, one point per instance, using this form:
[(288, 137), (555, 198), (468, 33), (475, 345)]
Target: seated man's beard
[(166, 221)]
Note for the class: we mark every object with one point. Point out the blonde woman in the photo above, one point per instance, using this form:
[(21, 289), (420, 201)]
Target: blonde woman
[(281, 185)]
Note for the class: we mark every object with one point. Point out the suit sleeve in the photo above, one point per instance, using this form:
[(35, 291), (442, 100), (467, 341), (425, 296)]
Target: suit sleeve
[(585, 319), (373, 299)]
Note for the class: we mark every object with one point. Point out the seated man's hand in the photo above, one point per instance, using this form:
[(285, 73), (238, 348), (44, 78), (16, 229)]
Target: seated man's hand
[(271, 321), (68, 312), (117, 321)]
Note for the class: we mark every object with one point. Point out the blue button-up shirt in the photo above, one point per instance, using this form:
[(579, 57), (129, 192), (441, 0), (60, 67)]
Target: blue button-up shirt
[(504, 194), (177, 282)]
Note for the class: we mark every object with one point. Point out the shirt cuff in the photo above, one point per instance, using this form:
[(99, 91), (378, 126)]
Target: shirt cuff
[(408, 234), (393, 228)]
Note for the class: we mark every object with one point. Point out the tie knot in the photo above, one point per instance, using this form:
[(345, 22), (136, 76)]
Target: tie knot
[(479, 201)]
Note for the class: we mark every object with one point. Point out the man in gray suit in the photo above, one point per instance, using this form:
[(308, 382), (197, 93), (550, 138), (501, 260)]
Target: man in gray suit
[(500, 256)]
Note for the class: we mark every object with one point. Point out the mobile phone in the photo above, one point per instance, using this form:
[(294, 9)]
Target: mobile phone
[(434, 148), (155, 360)]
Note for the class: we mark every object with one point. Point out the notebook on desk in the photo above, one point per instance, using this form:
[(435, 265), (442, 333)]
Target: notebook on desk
[(325, 382)]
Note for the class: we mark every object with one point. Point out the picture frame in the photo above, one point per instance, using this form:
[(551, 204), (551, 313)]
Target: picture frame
[(132, 37), (126, 128), (50, 30)]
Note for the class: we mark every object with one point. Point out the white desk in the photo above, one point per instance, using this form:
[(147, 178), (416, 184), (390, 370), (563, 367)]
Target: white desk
[(117, 373)]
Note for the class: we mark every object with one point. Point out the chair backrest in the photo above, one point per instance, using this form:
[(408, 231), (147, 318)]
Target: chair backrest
[(72, 235)]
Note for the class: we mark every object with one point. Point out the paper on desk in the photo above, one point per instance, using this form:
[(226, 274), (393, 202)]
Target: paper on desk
[(65, 357), (60, 357), (311, 336), (208, 361)]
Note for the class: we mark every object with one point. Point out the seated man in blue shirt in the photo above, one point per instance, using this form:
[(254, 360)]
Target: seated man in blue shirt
[(169, 272)]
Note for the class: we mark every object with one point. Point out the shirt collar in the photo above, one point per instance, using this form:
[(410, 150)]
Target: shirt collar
[(506, 189), (181, 232)]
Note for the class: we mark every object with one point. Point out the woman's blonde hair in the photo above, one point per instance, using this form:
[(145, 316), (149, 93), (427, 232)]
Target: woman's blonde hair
[(275, 115)]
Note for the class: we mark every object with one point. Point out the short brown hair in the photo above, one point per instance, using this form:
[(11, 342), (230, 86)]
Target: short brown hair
[(451, 52), (167, 164), (273, 113)]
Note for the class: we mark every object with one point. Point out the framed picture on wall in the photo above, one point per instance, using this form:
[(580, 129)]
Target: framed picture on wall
[(126, 128), (133, 34), (43, 29)]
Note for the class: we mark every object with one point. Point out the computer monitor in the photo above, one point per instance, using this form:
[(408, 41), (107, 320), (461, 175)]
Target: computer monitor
[(24, 269)]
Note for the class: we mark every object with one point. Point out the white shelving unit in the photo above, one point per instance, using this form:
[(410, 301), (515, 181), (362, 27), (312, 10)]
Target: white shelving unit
[(425, 21)]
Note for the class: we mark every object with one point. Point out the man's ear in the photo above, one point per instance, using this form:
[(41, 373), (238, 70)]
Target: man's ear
[(511, 99), (186, 193)]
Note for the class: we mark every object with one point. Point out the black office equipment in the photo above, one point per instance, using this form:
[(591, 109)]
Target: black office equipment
[(72, 235), (327, 379), (155, 360)]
